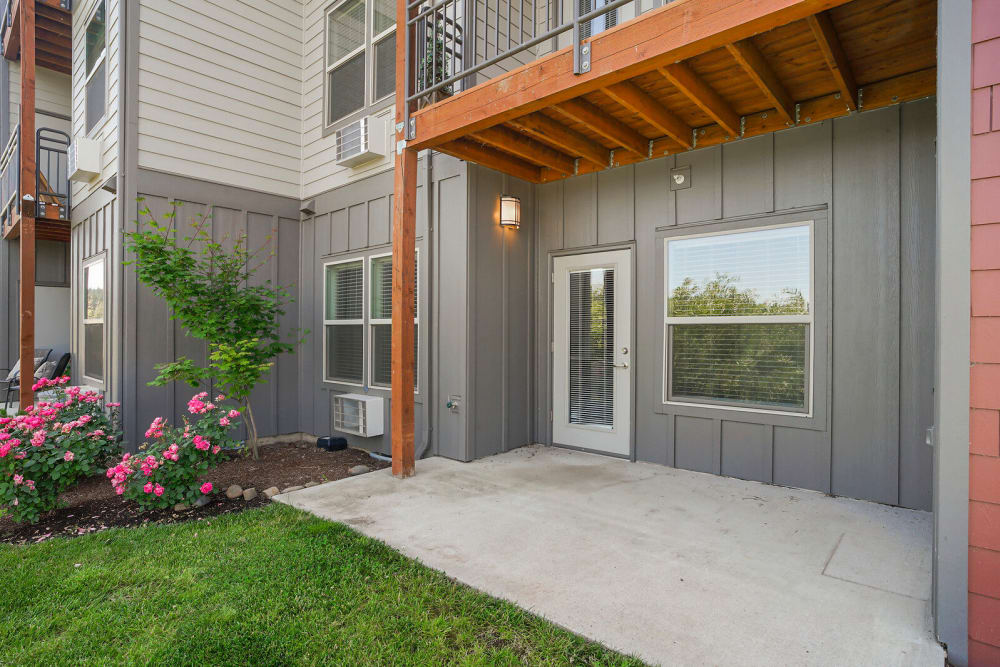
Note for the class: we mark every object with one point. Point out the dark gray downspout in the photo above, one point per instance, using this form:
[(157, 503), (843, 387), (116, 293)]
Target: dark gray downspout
[(429, 398)]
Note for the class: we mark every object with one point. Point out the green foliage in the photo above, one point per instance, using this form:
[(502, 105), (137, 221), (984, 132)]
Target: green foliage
[(759, 364), (211, 290), (273, 586), (169, 467), (52, 447)]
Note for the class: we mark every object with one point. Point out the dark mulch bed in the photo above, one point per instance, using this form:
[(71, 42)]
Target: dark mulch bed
[(93, 506)]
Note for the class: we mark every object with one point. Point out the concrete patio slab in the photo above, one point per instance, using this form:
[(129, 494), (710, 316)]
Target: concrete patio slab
[(673, 566)]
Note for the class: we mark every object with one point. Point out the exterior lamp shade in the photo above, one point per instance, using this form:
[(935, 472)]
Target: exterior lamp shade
[(510, 211)]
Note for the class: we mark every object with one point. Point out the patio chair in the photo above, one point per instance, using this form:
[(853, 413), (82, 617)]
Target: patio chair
[(11, 382)]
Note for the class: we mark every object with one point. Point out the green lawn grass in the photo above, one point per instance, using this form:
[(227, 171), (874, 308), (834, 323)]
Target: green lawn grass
[(272, 586)]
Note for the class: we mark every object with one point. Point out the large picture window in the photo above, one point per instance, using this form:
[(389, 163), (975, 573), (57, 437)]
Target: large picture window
[(358, 333), (95, 85), (360, 56), (93, 301), (739, 317)]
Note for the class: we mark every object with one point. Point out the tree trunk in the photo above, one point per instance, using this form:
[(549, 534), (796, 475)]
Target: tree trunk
[(251, 430)]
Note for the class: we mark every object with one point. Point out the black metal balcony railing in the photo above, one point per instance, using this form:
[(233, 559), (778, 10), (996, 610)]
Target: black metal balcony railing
[(52, 174), (52, 191), (454, 39)]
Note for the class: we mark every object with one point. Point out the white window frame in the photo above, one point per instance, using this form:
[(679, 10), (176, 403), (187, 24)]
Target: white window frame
[(88, 265), (88, 75), (809, 320), (370, 40), (375, 40), (354, 322), (369, 328)]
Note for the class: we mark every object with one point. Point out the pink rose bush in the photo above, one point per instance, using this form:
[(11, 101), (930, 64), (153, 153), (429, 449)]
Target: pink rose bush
[(52, 445), (167, 468)]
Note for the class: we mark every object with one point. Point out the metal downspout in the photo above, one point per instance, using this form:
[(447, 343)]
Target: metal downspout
[(429, 401)]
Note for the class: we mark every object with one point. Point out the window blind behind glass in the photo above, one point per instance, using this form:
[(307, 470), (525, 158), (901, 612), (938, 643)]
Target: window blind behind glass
[(591, 347)]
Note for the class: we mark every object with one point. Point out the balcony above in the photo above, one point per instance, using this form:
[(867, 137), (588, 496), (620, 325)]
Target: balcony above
[(53, 33), (689, 74)]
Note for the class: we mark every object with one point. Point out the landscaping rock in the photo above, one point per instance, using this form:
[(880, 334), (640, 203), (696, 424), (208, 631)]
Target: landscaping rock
[(358, 470), (180, 507), (250, 494), (271, 492), (293, 488), (311, 484), (202, 501), (234, 492)]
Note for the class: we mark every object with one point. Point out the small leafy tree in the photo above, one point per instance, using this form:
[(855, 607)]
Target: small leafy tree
[(211, 291)]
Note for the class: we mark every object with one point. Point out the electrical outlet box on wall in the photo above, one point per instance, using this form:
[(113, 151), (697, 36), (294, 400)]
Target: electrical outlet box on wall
[(84, 157)]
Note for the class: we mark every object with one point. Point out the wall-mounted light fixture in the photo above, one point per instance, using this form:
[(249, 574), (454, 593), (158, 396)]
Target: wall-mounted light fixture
[(510, 211)]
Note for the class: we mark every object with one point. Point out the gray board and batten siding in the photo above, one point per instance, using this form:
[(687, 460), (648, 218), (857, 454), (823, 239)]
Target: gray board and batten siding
[(155, 338), (869, 179)]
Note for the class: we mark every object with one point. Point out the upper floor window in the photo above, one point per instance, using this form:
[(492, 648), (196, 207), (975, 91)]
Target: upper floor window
[(96, 72), (360, 56)]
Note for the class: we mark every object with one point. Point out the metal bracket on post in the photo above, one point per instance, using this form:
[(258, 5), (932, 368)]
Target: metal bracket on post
[(411, 128), (581, 52)]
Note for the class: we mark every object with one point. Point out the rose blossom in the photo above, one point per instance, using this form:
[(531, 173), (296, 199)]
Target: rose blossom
[(68, 456), (206, 488), (157, 490)]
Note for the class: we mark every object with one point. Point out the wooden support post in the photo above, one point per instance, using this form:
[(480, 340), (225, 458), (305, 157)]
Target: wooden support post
[(404, 250), (27, 241)]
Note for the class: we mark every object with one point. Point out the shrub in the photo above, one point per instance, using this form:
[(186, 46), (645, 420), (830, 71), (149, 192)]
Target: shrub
[(167, 468), (52, 446)]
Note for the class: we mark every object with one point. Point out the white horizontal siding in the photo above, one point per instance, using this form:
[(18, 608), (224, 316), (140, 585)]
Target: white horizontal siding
[(106, 131), (53, 91), (220, 91), (319, 171)]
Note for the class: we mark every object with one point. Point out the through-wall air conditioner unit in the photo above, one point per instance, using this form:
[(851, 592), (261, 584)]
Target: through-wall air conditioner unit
[(361, 141), (358, 414), (84, 158)]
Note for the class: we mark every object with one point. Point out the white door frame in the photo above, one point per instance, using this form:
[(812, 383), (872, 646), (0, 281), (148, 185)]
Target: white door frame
[(616, 440)]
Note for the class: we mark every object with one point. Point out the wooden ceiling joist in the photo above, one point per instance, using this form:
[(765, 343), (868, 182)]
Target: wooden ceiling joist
[(526, 148), (691, 86), (753, 63), (668, 76), (490, 157), (605, 125), (836, 59), (638, 101), (564, 139)]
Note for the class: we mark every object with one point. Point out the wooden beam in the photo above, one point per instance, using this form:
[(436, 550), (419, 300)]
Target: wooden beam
[(12, 40), (753, 63), (561, 137), (634, 98), (524, 147), (906, 88), (487, 156), (605, 125), (691, 86), (836, 59), (404, 251), (27, 191), (671, 33)]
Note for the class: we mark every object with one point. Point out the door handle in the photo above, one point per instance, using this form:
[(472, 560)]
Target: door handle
[(621, 365)]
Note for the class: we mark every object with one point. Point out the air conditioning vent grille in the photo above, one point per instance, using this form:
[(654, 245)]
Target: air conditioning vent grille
[(360, 142), (358, 414)]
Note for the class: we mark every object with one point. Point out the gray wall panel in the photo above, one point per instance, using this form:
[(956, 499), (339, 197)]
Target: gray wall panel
[(653, 208), (379, 221), (748, 176), (803, 165), (703, 200), (746, 450), (866, 306), (852, 169), (916, 324), (694, 443), (580, 211), (616, 205), (801, 458), (357, 220)]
